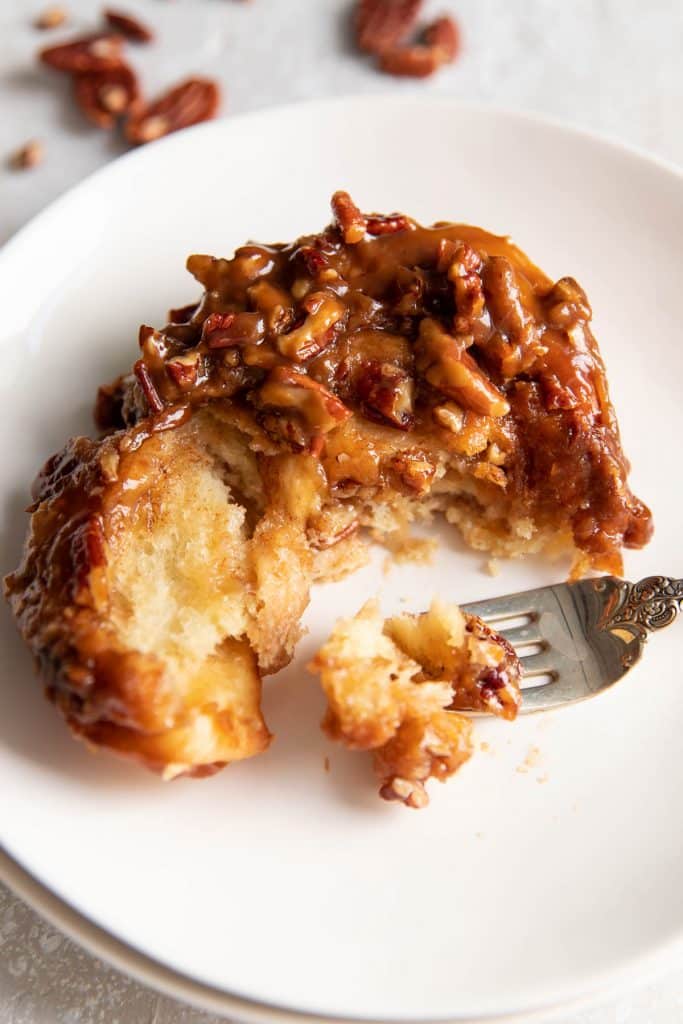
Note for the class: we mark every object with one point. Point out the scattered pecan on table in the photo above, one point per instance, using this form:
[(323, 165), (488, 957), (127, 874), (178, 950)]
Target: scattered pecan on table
[(104, 96), (27, 156), (128, 26), (190, 102), (51, 17), (382, 27)]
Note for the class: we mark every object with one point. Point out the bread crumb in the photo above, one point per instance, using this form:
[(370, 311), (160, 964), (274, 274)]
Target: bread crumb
[(484, 746), (478, 835), (542, 778), (529, 761), (326, 763), (402, 548), (493, 567)]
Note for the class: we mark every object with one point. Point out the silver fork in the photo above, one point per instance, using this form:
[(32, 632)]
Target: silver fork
[(576, 639)]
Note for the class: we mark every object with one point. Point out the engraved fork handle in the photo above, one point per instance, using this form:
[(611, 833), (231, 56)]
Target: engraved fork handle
[(640, 608)]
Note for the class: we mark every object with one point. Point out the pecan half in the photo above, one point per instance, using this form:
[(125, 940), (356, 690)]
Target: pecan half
[(382, 24), (315, 333), (517, 343), (130, 27), (386, 392), (98, 52), (464, 272), (191, 102), (349, 218), (566, 304), (103, 96)]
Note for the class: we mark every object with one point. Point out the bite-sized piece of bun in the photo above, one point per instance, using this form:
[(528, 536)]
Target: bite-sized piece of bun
[(392, 686)]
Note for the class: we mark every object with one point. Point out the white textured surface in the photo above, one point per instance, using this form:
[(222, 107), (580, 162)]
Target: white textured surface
[(610, 65)]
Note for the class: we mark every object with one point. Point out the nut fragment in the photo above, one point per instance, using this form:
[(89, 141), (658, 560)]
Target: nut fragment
[(52, 17), (566, 304), (287, 389), (387, 393), (349, 218), (148, 388), (314, 334), (223, 330), (191, 102), (517, 342), (27, 156), (98, 52), (103, 96), (130, 27), (449, 416), (447, 366), (415, 470), (382, 24)]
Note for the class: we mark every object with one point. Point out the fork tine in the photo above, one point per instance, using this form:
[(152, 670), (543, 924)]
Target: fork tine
[(512, 606), (545, 662), (521, 635)]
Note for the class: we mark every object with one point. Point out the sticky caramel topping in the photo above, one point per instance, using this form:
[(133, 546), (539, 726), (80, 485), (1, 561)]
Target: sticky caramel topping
[(376, 329)]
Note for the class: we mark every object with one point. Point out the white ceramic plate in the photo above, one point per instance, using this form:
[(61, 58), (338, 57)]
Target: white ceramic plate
[(551, 865)]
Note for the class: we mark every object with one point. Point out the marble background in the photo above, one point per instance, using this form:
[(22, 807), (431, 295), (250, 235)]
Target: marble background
[(612, 66)]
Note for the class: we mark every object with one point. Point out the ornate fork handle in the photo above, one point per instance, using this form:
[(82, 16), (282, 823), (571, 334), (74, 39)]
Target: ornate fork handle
[(639, 608)]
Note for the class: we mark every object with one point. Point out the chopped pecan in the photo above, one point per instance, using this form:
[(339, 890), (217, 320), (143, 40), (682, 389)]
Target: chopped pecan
[(415, 469), (27, 156), (314, 334), (52, 17), (388, 224), (286, 389), (148, 387), (517, 342), (98, 52), (273, 303), (382, 24), (130, 27), (103, 96), (223, 330), (443, 35), (566, 304), (349, 218), (183, 370), (464, 272), (191, 102), (387, 393), (411, 61), (448, 367)]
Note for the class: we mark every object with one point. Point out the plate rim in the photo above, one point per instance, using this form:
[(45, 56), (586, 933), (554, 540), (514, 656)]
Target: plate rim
[(76, 924)]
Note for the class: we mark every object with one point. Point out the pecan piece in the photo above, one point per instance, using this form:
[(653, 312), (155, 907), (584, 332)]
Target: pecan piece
[(98, 52), (464, 272), (516, 344), (386, 392), (286, 389), (349, 218), (388, 224), (382, 24), (415, 470), (411, 61), (51, 17), (223, 330), (128, 26), (191, 102), (566, 304), (27, 156), (315, 333), (103, 96), (448, 367), (444, 35), (149, 390)]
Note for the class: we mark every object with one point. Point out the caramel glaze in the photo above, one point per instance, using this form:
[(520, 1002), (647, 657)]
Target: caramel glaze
[(355, 350)]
